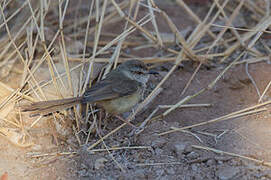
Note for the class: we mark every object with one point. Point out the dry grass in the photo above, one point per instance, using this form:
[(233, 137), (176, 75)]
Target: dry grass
[(39, 35)]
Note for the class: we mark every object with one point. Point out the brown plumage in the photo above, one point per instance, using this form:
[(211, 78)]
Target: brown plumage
[(117, 93)]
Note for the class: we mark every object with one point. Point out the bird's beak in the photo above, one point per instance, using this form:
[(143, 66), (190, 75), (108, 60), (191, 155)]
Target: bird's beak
[(153, 72)]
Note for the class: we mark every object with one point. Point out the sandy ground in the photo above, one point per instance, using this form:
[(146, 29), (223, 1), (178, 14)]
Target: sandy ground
[(170, 156), (249, 136)]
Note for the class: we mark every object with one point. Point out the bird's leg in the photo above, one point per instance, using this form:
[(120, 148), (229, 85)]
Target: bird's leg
[(105, 120), (127, 122), (100, 122), (102, 115)]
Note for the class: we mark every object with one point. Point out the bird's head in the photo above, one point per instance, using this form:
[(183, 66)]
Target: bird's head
[(136, 70)]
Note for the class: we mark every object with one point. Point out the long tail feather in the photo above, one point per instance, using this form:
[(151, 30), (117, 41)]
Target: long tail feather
[(46, 107)]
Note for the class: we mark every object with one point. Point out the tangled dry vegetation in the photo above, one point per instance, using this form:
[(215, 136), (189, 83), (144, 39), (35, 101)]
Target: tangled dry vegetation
[(54, 49)]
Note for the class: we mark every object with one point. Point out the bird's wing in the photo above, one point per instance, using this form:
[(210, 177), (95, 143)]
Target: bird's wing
[(110, 89)]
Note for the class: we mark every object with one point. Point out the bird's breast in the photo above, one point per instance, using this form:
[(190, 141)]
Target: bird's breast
[(121, 104)]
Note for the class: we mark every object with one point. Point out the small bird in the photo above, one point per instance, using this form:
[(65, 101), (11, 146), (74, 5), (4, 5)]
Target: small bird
[(117, 93)]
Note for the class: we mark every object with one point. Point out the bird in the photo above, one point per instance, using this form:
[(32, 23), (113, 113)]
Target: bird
[(118, 92)]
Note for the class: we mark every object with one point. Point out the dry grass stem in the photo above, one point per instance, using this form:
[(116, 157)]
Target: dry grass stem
[(260, 162), (244, 112)]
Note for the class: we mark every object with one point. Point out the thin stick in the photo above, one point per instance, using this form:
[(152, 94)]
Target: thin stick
[(191, 78), (85, 45), (159, 39), (229, 22), (222, 118), (96, 40), (264, 92), (194, 16), (121, 13), (261, 162)]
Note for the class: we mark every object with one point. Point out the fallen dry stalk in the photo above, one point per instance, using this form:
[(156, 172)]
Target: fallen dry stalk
[(260, 162), (236, 114)]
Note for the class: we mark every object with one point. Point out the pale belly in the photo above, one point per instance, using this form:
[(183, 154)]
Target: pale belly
[(122, 104)]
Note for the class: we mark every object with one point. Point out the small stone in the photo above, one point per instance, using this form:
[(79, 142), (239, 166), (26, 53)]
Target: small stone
[(220, 162), (227, 172), (180, 148), (99, 163), (188, 149), (192, 155), (211, 162), (194, 167), (235, 162)]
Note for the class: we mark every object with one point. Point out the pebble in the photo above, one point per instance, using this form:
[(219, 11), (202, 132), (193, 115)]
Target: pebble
[(192, 155), (227, 172), (100, 163), (220, 162), (211, 162), (235, 162), (180, 148), (194, 167)]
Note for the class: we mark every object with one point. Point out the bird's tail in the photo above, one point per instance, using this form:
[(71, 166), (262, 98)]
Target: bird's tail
[(46, 107)]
